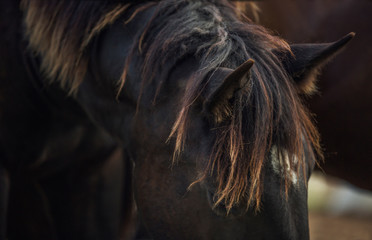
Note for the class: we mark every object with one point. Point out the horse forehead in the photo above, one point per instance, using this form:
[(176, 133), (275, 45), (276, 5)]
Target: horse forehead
[(278, 164)]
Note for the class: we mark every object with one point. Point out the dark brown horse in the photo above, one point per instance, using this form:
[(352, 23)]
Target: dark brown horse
[(344, 106), (206, 105), (61, 176)]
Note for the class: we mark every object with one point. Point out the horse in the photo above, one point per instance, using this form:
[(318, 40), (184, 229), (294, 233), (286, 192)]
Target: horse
[(343, 106), (62, 177), (185, 111)]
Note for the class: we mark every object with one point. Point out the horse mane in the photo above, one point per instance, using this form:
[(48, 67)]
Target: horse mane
[(60, 32), (269, 113)]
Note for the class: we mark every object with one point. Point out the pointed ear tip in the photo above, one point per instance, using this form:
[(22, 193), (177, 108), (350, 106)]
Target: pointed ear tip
[(249, 62), (245, 66), (347, 38), (342, 42)]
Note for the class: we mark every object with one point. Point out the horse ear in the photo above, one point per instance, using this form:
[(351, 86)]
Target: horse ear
[(305, 61), (222, 86)]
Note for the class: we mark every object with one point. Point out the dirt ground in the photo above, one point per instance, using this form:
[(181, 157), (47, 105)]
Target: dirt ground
[(327, 227)]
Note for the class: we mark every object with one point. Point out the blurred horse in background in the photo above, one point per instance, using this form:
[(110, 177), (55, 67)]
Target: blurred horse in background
[(61, 176)]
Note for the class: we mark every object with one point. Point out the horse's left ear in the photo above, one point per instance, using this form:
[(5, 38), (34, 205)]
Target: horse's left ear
[(306, 60)]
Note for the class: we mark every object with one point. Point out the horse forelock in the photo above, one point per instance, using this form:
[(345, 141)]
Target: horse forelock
[(269, 113)]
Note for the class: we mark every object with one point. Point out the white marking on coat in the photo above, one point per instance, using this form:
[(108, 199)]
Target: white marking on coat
[(278, 164)]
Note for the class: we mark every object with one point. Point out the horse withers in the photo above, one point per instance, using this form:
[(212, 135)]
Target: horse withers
[(205, 104)]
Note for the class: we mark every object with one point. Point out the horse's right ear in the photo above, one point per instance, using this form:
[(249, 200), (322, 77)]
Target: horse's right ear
[(223, 86), (305, 60)]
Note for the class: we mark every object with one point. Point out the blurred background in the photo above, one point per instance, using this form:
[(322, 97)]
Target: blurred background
[(338, 210)]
